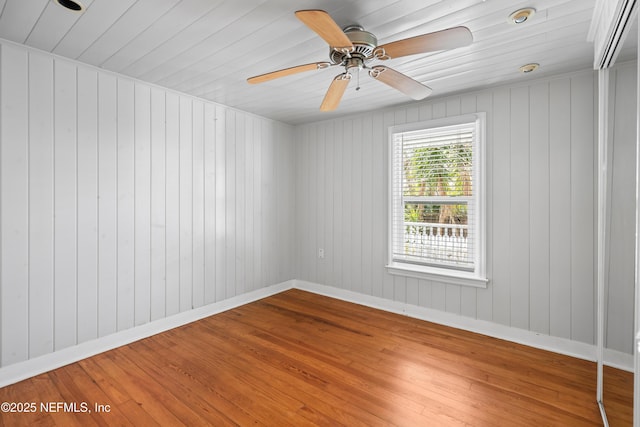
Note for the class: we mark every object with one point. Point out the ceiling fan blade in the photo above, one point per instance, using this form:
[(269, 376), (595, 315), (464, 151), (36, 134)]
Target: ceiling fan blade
[(288, 71), (324, 25), (334, 94), (401, 82), (440, 40)]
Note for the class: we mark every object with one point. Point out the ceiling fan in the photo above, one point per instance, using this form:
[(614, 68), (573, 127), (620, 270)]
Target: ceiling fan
[(354, 48)]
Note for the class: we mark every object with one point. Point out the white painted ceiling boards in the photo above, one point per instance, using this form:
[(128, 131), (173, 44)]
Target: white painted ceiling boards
[(208, 48)]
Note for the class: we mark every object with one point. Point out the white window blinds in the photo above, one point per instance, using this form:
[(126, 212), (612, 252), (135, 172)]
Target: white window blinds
[(434, 212)]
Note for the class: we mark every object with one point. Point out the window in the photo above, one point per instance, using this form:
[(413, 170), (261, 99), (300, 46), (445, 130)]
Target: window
[(436, 218)]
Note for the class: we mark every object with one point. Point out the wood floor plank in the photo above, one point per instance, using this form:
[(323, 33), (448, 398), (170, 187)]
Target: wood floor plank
[(302, 359), (529, 385), (526, 407), (316, 403)]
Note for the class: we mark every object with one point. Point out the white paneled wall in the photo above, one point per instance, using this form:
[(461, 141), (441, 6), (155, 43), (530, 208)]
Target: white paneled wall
[(620, 264), (122, 203), (541, 206)]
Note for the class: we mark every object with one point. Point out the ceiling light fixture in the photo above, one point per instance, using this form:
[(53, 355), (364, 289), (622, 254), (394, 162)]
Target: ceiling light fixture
[(520, 16), (529, 68), (72, 5)]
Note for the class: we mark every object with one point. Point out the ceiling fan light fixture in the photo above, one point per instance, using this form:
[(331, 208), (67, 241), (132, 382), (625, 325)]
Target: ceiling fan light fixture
[(529, 68), (521, 16), (72, 5)]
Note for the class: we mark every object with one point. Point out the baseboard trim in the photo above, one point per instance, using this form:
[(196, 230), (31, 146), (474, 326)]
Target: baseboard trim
[(545, 342), (20, 371), (29, 368), (618, 360)]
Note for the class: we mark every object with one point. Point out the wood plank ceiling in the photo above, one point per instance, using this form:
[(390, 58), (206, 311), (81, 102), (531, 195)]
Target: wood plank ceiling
[(208, 48)]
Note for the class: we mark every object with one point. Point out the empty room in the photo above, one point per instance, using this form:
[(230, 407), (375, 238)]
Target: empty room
[(337, 212)]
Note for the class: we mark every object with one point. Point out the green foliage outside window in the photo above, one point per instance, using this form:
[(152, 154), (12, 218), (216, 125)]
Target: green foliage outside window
[(438, 171)]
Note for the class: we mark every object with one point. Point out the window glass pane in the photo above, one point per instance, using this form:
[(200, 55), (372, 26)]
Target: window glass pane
[(437, 213), (442, 170)]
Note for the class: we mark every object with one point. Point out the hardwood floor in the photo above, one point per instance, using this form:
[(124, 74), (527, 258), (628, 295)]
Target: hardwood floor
[(302, 359)]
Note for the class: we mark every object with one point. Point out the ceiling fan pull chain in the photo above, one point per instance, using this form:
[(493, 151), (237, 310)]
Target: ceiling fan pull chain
[(358, 80)]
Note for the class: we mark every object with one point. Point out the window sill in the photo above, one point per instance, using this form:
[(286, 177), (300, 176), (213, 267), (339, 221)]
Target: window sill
[(453, 277)]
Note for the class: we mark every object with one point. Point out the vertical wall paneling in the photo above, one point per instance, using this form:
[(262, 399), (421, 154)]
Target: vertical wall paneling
[(240, 208), (250, 204), (266, 184), (87, 175), (209, 190), (620, 295), (356, 215), (347, 204), (287, 200), (256, 202), (519, 207), (559, 234), (313, 232), (539, 186), (268, 192), (501, 218), (315, 216), (317, 163), (172, 207), (284, 216), (126, 203), (142, 204), (65, 205), (14, 205), (378, 204), (123, 203), (220, 217), (157, 148), (198, 204), (387, 281), (107, 205), (582, 210), (367, 204), (185, 193), (334, 252), (230, 202), (310, 199), (40, 204), (400, 282), (301, 151)]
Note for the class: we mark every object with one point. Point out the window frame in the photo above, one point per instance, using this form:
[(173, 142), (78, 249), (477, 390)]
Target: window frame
[(476, 277)]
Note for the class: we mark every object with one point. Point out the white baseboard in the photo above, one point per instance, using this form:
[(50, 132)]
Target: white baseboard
[(618, 359), (32, 367), (545, 342), (19, 371)]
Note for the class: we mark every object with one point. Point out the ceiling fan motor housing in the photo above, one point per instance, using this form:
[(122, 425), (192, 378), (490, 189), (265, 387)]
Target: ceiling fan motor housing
[(363, 45)]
